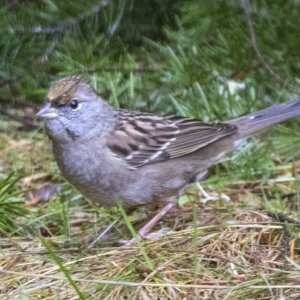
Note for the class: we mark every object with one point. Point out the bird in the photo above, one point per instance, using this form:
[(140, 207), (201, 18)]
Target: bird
[(117, 156)]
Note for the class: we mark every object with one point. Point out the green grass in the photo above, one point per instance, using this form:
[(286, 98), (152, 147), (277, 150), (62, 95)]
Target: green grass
[(11, 205)]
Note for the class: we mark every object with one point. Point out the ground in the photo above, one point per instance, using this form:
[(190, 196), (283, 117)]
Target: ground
[(239, 249)]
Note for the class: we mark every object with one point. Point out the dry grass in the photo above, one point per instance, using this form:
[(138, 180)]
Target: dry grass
[(251, 258)]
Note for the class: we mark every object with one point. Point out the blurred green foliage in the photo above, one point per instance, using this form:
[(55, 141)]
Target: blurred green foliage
[(177, 56), (170, 56)]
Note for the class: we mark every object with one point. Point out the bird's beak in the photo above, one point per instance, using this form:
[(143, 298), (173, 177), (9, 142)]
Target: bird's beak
[(47, 112)]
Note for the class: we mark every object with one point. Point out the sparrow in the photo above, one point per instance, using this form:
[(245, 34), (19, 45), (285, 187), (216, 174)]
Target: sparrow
[(135, 158)]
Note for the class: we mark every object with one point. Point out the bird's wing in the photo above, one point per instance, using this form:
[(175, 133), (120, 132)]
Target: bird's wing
[(142, 138)]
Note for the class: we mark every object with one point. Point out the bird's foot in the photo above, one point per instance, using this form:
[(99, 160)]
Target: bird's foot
[(145, 231), (212, 196), (149, 236)]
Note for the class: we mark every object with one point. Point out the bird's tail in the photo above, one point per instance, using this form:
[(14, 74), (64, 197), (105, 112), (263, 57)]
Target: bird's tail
[(258, 120)]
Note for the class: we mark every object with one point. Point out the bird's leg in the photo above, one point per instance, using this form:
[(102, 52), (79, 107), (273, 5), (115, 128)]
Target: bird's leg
[(144, 231), (211, 197)]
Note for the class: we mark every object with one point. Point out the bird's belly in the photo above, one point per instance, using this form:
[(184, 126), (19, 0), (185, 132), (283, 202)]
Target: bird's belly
[(105, 180), (90, 175)]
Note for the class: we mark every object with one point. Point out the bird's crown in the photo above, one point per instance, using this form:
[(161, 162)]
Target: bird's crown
[(63, 90)]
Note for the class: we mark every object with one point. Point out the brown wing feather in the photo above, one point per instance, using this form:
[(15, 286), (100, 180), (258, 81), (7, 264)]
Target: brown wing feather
[(143, 138)]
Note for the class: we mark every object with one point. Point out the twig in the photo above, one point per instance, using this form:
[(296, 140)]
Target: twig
[(13, 3), (5, 81), (283, 218), (122, 70), (259, 56), (17, 103), (49, 49), (70, 22), (27, 123)]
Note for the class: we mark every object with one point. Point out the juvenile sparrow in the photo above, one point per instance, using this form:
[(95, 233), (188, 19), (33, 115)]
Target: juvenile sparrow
[(114, 155)]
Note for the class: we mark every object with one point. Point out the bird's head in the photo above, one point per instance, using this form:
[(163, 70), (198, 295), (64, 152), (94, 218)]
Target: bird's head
[(72, 109)]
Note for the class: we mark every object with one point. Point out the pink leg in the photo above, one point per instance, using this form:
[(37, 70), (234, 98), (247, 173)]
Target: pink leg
[(144, 231), (151, 223)]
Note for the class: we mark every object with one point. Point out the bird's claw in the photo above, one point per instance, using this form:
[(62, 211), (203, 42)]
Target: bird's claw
[(212, 196)]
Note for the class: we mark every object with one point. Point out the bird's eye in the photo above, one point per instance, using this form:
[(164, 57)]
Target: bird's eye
[(74, 104)]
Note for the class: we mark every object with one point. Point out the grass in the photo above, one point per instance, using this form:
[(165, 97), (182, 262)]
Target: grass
[(226, 250), (11, 205), (246, 258), (247, 248)]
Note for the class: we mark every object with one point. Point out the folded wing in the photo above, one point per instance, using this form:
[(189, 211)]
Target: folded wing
[(142, 138)]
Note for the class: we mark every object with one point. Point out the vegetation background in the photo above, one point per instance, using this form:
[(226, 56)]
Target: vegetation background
[(212, 60)]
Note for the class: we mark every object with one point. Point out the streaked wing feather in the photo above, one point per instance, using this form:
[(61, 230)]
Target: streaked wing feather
[(143, 138)]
